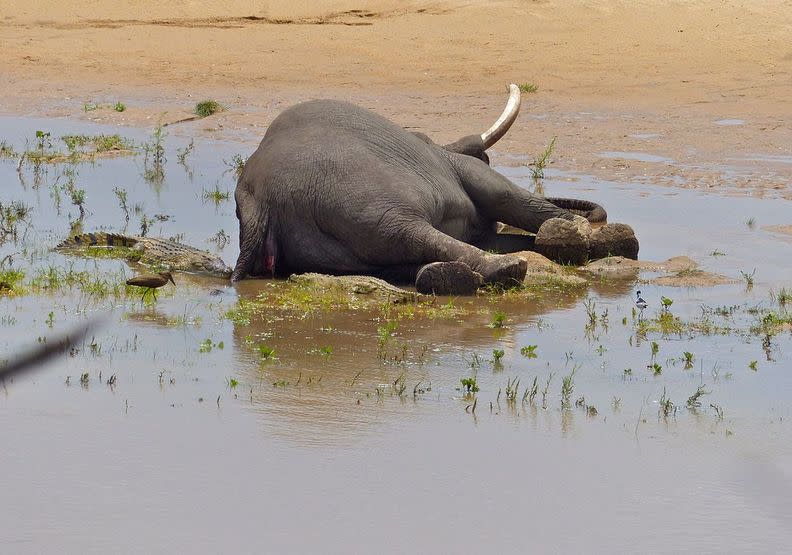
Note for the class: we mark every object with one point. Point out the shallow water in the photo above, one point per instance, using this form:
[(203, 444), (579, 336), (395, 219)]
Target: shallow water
[(176, 455), (637, 156)]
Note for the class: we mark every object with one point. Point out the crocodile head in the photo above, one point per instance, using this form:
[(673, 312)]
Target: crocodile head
[(202, 263)]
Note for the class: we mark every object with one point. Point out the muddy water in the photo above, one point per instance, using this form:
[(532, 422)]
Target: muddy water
[(202, 444)]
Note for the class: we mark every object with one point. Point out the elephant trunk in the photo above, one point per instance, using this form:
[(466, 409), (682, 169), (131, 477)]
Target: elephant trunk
[(592, 211)]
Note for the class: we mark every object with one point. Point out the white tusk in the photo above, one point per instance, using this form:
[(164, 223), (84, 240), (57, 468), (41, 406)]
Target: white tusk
[(506, 119)]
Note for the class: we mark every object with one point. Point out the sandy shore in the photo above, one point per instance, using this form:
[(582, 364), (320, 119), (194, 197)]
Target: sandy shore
[(692, 94)]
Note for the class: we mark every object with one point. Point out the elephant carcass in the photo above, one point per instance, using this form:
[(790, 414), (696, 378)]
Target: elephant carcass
[(337, 189)]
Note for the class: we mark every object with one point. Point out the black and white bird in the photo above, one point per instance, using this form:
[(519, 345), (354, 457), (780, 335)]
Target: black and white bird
[(639, 302)]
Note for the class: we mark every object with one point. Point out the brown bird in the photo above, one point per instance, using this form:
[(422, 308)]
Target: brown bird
[(151, 282)]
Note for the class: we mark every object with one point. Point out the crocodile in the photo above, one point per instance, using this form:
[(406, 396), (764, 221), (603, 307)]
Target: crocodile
[(158, 253)]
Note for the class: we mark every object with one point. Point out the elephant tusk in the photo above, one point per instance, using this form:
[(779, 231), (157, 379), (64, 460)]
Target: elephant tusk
[(504, 122)]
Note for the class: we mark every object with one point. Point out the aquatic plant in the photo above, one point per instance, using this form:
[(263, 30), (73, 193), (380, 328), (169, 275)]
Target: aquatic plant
[(541, 161), (529, 351), (498, 319), (655, 368), (469, 385), (266, 352), (693, 401), (749, 278), (145, 224), (121, 195), (154, 157), (666, 406), (216, 195), (546, 390), (236, 164), (11, 216), (530, 392), (567, 387), (512, 387), (220, 238), (7, 151), (183, 153), (119, 106)]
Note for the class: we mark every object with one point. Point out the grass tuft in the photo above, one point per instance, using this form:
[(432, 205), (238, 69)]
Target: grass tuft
[(206, 108)]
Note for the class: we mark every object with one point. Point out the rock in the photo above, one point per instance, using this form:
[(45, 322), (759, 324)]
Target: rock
[(692, 278), (543, 271), (620, 267), (365, 286), (564, 241), (613, 267), (613, 240)]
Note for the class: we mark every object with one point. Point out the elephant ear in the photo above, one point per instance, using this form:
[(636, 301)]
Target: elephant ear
[(472, 145)]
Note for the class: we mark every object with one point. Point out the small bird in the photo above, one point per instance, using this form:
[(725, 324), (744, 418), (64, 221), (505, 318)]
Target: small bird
[(639, 302), (151, 282)]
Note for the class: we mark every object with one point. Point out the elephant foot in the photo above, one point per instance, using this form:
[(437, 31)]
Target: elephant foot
[(564, 241), (613, 240), (502, 269), (447, 278)]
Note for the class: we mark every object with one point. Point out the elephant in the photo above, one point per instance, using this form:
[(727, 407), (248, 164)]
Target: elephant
[(337, 189)]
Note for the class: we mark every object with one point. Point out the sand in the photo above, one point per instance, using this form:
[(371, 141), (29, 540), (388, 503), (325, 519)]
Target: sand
[(690, 94)]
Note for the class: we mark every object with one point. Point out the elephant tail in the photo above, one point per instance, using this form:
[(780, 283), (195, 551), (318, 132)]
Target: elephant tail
[(592, 211), (258, 248)]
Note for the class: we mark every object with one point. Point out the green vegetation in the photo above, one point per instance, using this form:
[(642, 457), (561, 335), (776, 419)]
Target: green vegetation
[(10, 280), (183, 153), (121, 195), (693, 401), (656, 368), (12, 215), (216, 195), (541, 161), (750, 222), (266, 352), (567, 387), (529, 351), (154, 157), (666, 406), (119, 106), (749, 278), (469, 385), (512, 388), (498, 319), (7, 151), (206, 108), (528, 88), (236, 164)]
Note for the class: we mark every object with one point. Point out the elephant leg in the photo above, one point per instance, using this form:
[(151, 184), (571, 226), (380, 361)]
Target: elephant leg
[(500, 200), (454, 266)]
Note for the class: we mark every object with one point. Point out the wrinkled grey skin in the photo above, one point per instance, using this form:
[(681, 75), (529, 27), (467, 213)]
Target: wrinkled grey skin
[(337, 189)]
